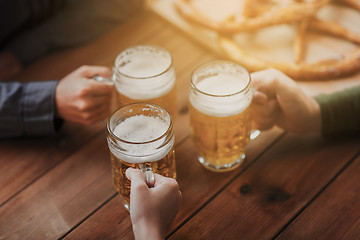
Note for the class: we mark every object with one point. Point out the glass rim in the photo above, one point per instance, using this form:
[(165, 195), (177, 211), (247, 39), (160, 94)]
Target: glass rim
[(116, 71), (169, 129), (193, 86)]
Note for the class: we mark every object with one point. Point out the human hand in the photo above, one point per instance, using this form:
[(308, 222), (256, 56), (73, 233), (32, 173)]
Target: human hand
[(278, 100), (81, 99), (152, 210)]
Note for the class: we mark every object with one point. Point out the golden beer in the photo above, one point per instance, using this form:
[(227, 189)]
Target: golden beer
[(165, 167), (145, 73), (220, 114), (140, 136), (167, 101)]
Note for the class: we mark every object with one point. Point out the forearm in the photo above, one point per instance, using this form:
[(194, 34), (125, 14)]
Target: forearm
[(340, 113), (146, 231), (27, 109)]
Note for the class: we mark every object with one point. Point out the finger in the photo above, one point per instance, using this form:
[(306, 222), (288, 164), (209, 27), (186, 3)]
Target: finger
[(259, 98), (162, 182), (159, 179), (258, 76), (136, 177), (99, 101), (101, 107), (262, 80), (265, 115), (262, 123), (95, 116), (99, 88), (262, 126), (90, 71), (94, 103), (272, 81), (265, 108)]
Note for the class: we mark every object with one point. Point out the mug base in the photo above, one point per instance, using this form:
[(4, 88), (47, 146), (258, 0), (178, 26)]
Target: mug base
[(221, 168)]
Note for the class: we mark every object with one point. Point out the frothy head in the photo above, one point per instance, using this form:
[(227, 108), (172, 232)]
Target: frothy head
[(220, 89), (141, 138), (140, 129), (144, 72), (143, 61)]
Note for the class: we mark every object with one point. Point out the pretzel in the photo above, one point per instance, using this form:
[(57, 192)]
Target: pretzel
[(263, 13), (299, 44), (334, 29), (347, 64), (353, 3), (276, 15)]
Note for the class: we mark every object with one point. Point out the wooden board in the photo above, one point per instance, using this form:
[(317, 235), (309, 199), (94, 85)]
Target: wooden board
[(61, 187), (340, 199), (265, 197)]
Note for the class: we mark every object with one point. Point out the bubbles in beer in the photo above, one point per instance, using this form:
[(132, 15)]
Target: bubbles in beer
[(220, 115)]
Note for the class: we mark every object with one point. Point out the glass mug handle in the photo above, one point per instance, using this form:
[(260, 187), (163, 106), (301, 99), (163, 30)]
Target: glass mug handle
[(254, 132), (103, 79), (148, 175)]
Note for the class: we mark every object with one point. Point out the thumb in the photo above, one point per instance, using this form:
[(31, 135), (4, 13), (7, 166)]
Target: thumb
[(90, 71)]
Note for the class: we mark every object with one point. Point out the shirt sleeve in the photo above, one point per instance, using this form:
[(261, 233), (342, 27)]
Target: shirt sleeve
[(28, 109), (340, 113)]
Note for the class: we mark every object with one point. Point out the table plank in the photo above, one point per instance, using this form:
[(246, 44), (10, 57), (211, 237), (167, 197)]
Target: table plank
[(23, 161), (272, 191), (335, 214), (62, 197), (197, 184)]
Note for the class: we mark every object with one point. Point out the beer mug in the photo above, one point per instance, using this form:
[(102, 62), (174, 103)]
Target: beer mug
[(145, 73), (220, 114), (140, 135)]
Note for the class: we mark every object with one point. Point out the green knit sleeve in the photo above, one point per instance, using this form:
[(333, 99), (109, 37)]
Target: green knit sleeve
[(340, 113)]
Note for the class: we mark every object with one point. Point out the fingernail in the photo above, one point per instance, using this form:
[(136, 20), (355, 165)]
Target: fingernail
[(127, 171)]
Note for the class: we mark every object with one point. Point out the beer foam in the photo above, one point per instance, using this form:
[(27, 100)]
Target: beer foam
[(144, 72), (221, 84), (143, 65), (141, 129), (226, 102)]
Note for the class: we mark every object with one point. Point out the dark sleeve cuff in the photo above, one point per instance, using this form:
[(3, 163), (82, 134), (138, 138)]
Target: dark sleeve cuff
[(39, 109), (340, 113)]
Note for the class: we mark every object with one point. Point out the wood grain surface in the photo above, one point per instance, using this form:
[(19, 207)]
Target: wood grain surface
[(289, 187)]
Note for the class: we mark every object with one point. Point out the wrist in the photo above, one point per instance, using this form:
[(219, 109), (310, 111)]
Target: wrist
[(145, 230)]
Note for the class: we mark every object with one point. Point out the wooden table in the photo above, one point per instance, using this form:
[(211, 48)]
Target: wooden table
[(290, 187)]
